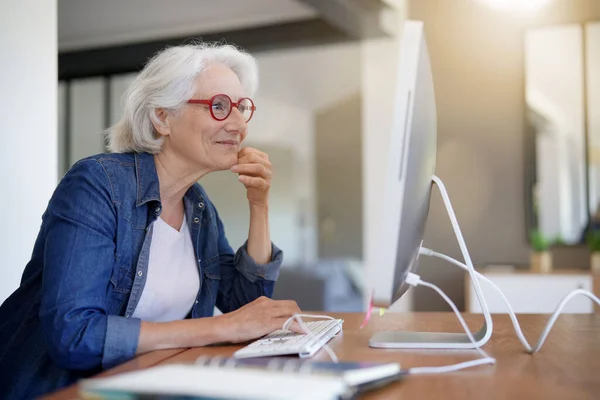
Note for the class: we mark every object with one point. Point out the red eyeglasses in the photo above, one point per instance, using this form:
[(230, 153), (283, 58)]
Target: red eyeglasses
[(220, 106)]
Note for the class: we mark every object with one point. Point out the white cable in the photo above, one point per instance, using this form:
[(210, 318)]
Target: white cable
[(465, 253), (513, 317), (415, 280), (455, 309), (450, 368), (298, 318)]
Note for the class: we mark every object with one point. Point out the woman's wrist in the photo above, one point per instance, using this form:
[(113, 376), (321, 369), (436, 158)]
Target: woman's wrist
[(184, 333), (226, 327), (259, 238), (260, 208)]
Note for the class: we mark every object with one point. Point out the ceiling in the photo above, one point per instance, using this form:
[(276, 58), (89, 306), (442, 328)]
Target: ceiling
[(84, 24)]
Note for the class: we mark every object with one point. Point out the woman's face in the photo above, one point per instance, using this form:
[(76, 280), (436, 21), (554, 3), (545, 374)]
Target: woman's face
[(195, 136)]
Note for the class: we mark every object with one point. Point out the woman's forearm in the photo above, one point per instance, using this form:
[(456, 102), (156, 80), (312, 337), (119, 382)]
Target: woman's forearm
[(259, 238), (185, 333)]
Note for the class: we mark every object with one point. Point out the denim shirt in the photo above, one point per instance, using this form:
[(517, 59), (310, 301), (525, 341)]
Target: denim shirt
[(71, 316)]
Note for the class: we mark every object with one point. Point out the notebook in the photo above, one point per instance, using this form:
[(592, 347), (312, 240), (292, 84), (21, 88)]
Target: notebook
[(361, 376), (180, 381), (248, 379)]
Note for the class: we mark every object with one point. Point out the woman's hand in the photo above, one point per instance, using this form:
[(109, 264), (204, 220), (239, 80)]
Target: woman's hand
[(252, 321), (255, 173), (259, 318)]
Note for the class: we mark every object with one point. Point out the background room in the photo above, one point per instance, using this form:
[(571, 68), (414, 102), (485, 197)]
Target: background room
[(518, 105)]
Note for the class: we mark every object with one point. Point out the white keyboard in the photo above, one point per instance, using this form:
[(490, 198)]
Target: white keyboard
[(282, 342)]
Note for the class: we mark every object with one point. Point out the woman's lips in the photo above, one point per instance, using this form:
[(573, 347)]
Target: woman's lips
[(228, 143)]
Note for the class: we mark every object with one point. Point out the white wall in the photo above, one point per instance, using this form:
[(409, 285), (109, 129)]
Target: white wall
[(28, 156), (63, 164)]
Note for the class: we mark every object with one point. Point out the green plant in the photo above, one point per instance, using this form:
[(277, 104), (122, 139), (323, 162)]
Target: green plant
[(593, 240), (559, 241), (538, 241)]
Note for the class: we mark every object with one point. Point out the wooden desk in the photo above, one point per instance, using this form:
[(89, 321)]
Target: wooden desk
[(567, 367)]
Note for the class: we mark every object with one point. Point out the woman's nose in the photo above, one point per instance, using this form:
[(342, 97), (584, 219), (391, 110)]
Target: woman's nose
[(235, 123), (236, 117)]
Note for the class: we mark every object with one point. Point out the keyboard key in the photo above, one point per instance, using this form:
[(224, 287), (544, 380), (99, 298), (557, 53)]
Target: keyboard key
[(283, 342)]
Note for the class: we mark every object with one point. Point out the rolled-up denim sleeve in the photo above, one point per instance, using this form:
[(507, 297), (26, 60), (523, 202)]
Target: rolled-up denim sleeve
[(242, 279), (121, 341), (80, 230), (253, 271)]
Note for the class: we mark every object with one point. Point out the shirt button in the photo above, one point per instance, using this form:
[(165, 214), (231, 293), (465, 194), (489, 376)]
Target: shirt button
[(157, 210), (201, 205), (196, 220), (196, 301), (140, 273)]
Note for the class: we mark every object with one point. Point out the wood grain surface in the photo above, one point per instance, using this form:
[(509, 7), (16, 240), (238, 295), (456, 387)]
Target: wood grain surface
[(567, 367)]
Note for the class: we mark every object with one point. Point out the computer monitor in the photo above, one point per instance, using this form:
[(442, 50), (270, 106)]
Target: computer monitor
[(410, 177), (411, 163)]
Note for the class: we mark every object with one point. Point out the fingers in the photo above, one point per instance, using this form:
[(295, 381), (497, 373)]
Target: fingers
[(295, 327), (253, 158), (255, 173), (266, 315), (275, 313), (249, 150), (292, 326), (256, 170), (253, 182)]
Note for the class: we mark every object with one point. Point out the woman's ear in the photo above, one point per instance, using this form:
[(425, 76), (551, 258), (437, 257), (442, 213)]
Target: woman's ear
[(161, 122)]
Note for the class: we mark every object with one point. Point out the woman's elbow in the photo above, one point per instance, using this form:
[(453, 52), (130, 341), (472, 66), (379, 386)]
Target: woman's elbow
[(70, 358), (75, 345)]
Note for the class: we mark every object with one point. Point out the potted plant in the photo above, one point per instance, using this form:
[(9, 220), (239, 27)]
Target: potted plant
[(559, 241), (593, 242), (541, 259)]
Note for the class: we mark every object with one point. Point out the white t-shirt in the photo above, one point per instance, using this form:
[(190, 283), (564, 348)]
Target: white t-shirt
[(172, 282)]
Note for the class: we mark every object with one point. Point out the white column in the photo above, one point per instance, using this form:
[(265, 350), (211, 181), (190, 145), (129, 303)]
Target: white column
[(28, 154), (379, 63)]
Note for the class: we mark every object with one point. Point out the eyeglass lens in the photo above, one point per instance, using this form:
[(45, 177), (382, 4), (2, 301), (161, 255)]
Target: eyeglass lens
[(221, 107)]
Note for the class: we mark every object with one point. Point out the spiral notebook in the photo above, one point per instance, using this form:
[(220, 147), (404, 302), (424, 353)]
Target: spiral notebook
[(225, 378)]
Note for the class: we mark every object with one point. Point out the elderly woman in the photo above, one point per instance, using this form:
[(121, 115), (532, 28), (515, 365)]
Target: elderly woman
[(131, 255)]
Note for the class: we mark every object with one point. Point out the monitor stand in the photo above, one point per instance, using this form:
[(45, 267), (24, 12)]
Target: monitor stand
[(441, 340)]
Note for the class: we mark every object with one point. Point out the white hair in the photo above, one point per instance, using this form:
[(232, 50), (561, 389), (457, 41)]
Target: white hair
[(167, 81)]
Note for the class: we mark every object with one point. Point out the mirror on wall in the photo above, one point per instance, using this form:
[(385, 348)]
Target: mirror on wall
[(562, 95)]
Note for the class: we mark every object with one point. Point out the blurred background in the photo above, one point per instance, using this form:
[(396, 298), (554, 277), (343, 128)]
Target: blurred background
[(518, 99)]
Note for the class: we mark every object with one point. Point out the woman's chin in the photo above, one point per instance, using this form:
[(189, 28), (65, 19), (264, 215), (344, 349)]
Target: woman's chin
[(227, 162)]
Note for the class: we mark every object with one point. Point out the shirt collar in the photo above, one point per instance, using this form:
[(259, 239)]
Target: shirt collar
[(147, 179)]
